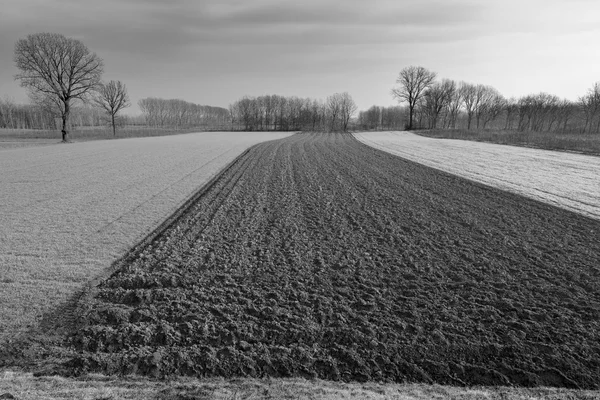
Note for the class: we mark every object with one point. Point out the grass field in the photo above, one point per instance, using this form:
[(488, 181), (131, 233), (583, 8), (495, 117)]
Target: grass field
[(90, 133), (67, 211), (17, 138), (98, 387), (588, 143), (563, 179)]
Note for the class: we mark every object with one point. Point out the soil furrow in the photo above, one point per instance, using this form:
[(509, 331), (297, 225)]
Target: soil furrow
[(318, 256)]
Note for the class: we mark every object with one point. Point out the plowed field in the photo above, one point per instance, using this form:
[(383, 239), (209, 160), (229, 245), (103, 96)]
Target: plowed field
[(318, 256)]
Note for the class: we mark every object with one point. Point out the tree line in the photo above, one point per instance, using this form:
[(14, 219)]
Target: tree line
[(280, 113), (24, 116), (35, 116), (449, 104), (63, 77), (177, 113), (382, 118)]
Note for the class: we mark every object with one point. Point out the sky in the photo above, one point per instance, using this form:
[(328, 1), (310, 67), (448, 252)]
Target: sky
[(213, 52)]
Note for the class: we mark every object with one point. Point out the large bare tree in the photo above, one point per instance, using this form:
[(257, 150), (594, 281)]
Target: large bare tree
[(112, 97), (413, 82), (58, 69)]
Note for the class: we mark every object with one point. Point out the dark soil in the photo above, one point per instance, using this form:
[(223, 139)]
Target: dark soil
[(318, 256)]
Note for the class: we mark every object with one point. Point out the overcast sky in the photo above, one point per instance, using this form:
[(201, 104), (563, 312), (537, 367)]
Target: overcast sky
[(215, 51)]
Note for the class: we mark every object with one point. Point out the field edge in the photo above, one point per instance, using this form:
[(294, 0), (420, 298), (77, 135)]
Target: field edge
[(25, 385)]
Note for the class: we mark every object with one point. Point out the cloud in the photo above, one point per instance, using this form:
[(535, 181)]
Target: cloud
[(353, 13), (156, 28)]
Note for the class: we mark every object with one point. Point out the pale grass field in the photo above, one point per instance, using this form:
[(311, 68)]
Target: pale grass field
[(7, 144), (567, 180), (97, 387), (67, 211)]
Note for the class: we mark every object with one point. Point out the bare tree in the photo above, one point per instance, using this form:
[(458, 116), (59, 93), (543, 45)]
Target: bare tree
[(590, 105), (534, 110), (489, 103), (7, 113), (176, 113), (566, 110), (333, 104), (112, 97), (316, 114), (348, 108), (370, 119), (511, 109), (468, 93), (454, 106), (437, 97), (413, 82), (60, 68)]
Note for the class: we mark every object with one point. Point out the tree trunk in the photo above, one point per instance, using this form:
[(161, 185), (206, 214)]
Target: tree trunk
[(410, 116), (113, 125), (65, 122)]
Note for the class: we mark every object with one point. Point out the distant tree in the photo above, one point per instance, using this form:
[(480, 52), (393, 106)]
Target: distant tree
[(112, 97), (489, 103), (6, 113), (176, 113), (453, 106), (536, 111), (567, 109), (347, 108), (413, 82), (393, 118), (316, 109), (437, 98), (371, 119), (233, 114), (511, 109), (333, 104), (590, 105), (58, 69), (468, 94)]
